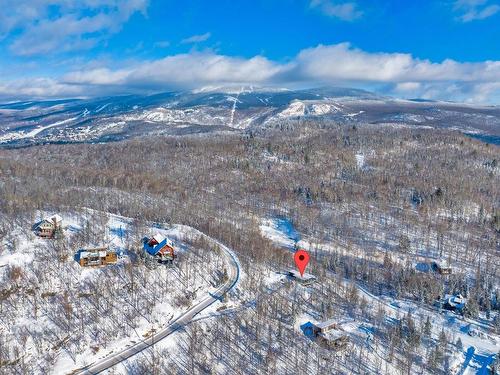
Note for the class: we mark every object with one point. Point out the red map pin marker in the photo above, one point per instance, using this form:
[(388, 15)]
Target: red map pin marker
[(301, 258)]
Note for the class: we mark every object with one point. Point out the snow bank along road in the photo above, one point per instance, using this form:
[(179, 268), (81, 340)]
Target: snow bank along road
[(180, 321)]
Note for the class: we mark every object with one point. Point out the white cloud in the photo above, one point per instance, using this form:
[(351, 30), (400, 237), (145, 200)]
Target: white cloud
[(485, 92), (346, 11), (405, 87), (340, 64), (197, 38), (472, 10), (38, 88), (45, 26), (184, 70), (97, 77)]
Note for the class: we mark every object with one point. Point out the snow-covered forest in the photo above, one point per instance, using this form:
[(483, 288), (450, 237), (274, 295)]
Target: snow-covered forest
[(376, 207)]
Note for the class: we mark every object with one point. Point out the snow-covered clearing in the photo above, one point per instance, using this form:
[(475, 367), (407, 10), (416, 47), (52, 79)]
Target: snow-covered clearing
[(280, 231), (360, 160)]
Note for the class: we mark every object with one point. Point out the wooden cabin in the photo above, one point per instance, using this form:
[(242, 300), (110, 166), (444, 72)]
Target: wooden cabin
[(324, 327), (48, 227), (95, 257)]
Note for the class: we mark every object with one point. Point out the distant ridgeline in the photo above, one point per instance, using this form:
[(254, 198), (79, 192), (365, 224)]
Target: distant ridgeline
[(237, 110)]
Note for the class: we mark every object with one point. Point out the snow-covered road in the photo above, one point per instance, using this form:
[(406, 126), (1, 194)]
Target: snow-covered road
[(180, 321)]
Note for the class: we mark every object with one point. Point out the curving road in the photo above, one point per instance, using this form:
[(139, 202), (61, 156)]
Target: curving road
[(180, 321)]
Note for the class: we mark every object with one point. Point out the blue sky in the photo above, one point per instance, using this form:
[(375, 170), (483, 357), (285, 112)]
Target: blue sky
[(446, 50)]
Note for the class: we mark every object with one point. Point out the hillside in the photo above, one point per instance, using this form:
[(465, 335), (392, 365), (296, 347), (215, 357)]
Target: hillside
[(375, 206), (241, 109)]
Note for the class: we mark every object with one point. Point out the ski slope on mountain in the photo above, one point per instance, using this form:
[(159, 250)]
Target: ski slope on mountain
[(232, 109)]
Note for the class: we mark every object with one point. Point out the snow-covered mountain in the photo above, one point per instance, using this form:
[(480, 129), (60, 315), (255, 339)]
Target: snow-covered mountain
[(225, 109)]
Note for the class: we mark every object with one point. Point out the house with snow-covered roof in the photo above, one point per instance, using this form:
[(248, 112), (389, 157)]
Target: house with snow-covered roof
[(159, 248), (456, 303), (48, 227), (333, 334), (305, 279), (325, 326), (442, 266), (96, 256)]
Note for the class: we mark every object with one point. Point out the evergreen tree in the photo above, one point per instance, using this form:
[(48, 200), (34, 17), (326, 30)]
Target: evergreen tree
[(472, 308), (443, 340), (427, 329), (496, 322), (434, 358)]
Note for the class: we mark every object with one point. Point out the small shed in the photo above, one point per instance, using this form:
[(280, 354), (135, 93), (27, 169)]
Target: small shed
[(456, 303)]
